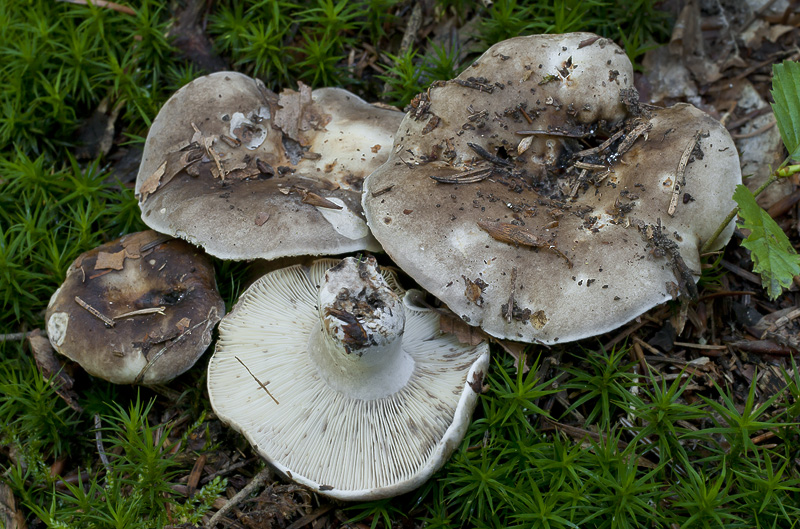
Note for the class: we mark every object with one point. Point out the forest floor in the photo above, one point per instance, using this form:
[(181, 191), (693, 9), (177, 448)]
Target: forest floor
[(683, 417)]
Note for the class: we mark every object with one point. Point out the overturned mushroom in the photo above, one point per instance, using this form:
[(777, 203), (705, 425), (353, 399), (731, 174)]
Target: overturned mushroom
[(341, 384), (138, 310), (546, 184), (246, 173)]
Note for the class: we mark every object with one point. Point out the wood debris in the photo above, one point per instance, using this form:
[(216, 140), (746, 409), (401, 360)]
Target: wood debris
[(183, 157), (539, 319), (52, 369), (680, 175), (11, 517), (94, 312), (259, 479), (262, 385), (508, 313), (517, 351), (104, 4), (150, 185), (383, 191), (141, 312), (663, 246), (208, 145), (139, 243), (476, 83), (519, 236), (524, 144), (449, 323), (309, 197), (432, 123), (296, 113), (486, 155), (314, 199), (114, 261), (590, 166), (637, 131), (474, 290), (464, 177), (600, 148), (261, 218)]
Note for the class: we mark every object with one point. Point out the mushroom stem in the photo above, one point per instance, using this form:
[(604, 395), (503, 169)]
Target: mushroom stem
[(357, 345)]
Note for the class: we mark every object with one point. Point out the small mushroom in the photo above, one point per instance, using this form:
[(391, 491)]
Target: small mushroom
[(595, 220), (137, 310), (245, 173), (340, 383)]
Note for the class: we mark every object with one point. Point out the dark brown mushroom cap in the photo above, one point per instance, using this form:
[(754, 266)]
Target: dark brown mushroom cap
[(245, 173), (528, 253), (139, 309)]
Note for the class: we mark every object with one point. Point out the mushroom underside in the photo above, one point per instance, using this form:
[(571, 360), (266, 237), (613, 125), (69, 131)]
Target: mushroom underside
[(345, 447)]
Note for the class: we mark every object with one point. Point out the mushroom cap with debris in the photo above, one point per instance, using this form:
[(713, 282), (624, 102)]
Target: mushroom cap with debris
[(245, 173), (538, 200), (341, 384), (137, 310)]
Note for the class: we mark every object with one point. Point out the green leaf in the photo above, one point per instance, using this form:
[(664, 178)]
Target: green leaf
[(786, 93), (772, 254)]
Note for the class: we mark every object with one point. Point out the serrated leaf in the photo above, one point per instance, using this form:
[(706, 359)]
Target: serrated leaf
[(786, 93), (772, 253)]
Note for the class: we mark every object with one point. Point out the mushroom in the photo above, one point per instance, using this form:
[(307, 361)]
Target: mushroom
[(245, 173), (342, 384), (137, 310), (537, 199)]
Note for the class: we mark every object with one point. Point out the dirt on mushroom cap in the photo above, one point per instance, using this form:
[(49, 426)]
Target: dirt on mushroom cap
[(139, 309), (237, 169), (569, 231)]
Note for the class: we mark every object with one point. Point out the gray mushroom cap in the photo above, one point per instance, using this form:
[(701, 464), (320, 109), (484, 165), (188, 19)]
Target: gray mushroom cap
[(533, 248), (137, 310), (245, 173), (342, 384)]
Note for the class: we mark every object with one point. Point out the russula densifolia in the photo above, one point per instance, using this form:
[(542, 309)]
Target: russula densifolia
[(137, 310), (344, 383), (537, 199), (246, 173)]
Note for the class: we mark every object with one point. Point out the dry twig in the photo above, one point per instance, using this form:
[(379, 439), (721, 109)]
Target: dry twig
[(103, 3), (98, 438), (255, 483), (14, 336), (680, 175)]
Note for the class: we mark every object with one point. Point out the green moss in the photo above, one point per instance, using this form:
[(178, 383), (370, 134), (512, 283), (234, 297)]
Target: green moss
[(518, 465)]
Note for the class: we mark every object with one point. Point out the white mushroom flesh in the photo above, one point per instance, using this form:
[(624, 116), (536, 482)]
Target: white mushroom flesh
[(344, 221)]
